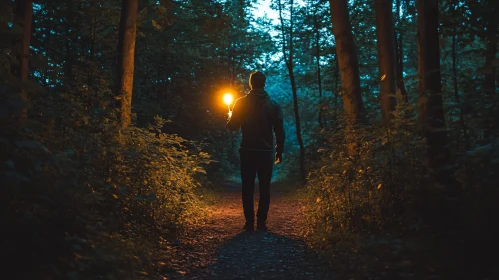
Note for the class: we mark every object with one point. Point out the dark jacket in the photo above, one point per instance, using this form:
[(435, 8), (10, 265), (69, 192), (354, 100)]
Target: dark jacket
[(258, 115)]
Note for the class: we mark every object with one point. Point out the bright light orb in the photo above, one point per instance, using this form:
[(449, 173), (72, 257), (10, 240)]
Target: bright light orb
[(228, 98)]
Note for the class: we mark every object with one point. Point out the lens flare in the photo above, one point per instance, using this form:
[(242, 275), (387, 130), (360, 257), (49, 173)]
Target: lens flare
[(228, 98)]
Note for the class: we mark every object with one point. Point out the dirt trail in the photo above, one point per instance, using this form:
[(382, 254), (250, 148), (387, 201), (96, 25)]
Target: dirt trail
[(220, 249)]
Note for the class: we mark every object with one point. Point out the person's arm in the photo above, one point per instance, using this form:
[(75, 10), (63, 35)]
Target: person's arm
[(279, 133), (235, 120)]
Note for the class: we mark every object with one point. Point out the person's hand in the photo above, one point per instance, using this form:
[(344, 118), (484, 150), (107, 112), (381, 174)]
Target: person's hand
[(278, 158)]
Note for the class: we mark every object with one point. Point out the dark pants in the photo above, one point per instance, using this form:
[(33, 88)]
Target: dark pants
[(256, 163)]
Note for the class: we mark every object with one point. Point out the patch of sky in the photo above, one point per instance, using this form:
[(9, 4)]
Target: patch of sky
[(262, 10)]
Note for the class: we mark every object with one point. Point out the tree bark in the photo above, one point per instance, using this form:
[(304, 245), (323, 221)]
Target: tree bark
[(23, 18), (289, 65), (431, 113), (336, 87), (386, 51), (349, 69), (399, 47), (126, 55)]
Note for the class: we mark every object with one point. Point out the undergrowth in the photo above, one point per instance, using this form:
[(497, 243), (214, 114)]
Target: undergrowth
[(82, 198), (386, 187)]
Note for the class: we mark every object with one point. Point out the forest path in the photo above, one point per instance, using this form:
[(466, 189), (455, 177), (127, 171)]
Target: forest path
[(221, 249)]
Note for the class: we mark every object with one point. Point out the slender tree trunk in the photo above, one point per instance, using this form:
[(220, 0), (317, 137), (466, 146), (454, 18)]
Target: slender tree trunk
[(386, 52), (289, 64), (126, 55), (349, 69), (317, 59), (23, 18), (399, 46), (431, 113)]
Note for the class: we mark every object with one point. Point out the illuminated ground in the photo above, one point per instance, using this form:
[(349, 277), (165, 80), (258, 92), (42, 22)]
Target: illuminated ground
[(220, 249)]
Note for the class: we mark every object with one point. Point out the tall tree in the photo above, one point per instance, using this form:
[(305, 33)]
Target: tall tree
[(386, 55), (288, 55), (431, 113), (318, 59), (349, 68), (23, 17), (126, 56), (399, 47)]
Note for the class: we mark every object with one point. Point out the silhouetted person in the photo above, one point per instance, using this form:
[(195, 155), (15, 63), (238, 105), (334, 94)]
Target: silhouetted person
[(259, 118)]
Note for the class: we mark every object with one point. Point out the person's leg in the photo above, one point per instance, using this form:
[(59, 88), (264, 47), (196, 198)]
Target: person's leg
[(264, 169), (248, 174)]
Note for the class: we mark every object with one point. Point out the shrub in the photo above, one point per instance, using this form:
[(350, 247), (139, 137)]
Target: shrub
[(82, 196), (375, 187)]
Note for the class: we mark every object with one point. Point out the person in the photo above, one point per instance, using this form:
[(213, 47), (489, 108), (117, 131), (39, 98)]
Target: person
[(259, 117)]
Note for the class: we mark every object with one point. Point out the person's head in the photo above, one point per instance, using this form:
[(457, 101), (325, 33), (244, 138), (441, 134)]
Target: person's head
[(257, 80)]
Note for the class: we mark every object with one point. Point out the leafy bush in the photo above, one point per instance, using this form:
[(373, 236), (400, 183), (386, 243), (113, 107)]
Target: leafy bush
[(373, 188), (386, 186), (80, 195)]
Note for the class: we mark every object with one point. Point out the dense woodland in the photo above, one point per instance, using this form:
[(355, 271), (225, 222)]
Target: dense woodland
[(113, 130)]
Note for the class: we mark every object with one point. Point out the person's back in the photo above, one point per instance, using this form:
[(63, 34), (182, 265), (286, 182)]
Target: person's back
[(259, 117)]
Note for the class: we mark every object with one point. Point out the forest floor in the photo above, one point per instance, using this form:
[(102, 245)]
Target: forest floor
[(219, 248)]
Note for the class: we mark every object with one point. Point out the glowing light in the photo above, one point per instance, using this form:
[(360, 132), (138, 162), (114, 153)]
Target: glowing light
[(228, 99)]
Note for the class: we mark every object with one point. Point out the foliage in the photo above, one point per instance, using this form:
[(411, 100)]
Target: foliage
[(365, 192), (73, 181)]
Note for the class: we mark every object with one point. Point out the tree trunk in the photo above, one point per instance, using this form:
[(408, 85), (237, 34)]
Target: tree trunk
[(336, 87), (289, 64), (126, 54), (386, 51), (317, 59), (399, 47), (23, 18), (431, 113), (349, 69)]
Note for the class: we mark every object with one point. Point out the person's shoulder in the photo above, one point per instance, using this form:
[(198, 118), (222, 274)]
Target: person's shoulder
[(241, 100)]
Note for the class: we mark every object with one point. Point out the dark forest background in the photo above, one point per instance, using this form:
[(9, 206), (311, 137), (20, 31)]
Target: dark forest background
[(113, 129)]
